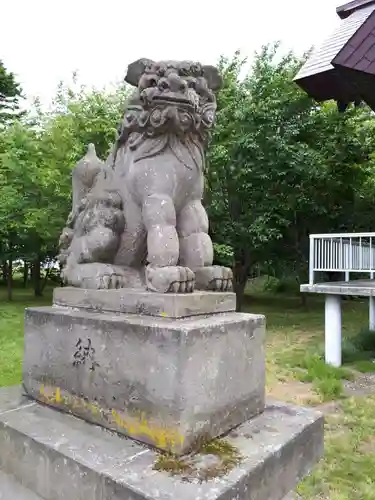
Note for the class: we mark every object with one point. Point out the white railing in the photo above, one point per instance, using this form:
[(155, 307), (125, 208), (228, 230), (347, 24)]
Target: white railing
[(347, 253)]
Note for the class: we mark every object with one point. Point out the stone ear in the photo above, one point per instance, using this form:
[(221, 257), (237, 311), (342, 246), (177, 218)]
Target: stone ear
[(136, 70), (213, 77)]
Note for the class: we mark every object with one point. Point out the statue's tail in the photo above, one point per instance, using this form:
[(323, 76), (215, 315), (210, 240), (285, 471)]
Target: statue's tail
[(84, 175)]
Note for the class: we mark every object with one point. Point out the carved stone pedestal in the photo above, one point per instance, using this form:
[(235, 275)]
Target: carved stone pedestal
[(170, 371), (143, 303), (166, 382), (50, 455)]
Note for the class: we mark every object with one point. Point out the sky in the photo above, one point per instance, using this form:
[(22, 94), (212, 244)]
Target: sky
[(44, 41)]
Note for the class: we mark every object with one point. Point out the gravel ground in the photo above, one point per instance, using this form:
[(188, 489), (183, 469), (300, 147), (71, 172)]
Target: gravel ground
[(363, 385)]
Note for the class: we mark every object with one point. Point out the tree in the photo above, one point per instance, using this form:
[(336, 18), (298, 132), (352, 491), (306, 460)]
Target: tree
[(280, 166), (36, 159), (10, 93)]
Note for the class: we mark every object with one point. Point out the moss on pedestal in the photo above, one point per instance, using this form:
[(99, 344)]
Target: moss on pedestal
[(224, 457)]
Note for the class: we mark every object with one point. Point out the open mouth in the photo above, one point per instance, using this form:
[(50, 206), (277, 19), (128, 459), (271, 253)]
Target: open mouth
[(173, 99)]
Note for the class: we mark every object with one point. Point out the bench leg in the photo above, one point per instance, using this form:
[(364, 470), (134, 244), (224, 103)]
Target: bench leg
[(333, 330)]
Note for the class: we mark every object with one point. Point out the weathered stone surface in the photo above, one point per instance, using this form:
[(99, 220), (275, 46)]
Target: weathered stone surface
[(145, 203), (10, 489), (61, 457), (141, 302), (165, 382)]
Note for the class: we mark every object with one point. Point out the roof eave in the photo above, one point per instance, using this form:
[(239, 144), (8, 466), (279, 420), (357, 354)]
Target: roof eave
[(345, 10)]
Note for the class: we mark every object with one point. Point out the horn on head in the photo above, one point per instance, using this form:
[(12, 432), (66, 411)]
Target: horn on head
[(136, 70), (213, 77)]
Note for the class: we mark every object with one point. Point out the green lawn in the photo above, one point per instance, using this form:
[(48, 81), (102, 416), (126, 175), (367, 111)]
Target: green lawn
[(294, 333), (295, 374), (11, 333)]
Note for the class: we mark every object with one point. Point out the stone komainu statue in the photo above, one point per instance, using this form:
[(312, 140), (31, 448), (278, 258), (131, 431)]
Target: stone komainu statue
[(137, 220)]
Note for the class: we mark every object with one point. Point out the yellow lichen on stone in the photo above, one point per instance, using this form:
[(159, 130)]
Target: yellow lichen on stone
[(161, 437), (136, 426)]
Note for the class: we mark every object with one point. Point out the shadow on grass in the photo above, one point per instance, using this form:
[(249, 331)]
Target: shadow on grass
[(358, 351)]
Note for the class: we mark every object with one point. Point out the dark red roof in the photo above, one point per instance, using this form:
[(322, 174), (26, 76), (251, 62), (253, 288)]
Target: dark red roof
[(346, 10), (359, 52), (344, 67)]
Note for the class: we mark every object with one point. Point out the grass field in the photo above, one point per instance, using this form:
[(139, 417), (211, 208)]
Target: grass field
[(295, 373), (294, 335)]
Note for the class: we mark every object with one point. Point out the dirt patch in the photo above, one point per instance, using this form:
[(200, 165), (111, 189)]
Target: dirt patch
[(294, 391), (330, 409), (368, 447)]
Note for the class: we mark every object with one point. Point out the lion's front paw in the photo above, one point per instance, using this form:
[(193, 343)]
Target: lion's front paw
[(99, 276), (216, 278), (109, 277), (172, 279)]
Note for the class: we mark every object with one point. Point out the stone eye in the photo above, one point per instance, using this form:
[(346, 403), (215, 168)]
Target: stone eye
[(152, 82), (192, 84)]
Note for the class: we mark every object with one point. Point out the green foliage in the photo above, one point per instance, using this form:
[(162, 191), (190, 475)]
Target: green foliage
[(281, 167), (329, 388), (223, 254), (349, 350), (10, 92), (360, 350), (365, 340), (316, 368), (283, 285), (37, 154), (326, 379)]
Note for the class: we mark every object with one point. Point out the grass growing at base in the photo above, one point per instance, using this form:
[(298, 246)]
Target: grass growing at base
[(173, 465), (187, 468)]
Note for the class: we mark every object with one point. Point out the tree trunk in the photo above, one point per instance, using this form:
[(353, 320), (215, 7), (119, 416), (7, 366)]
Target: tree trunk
[(4, 272), (303, 296), (303, 299), (10, 279), (36, 277), (45, 279), (240, 294), (241, 273), (25, 274)]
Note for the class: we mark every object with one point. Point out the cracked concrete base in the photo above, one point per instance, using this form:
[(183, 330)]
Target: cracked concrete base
[(60, 457)]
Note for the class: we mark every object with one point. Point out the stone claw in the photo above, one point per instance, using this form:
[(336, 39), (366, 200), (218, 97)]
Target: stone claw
[(171, 279), (99, 276), (215, 278)]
